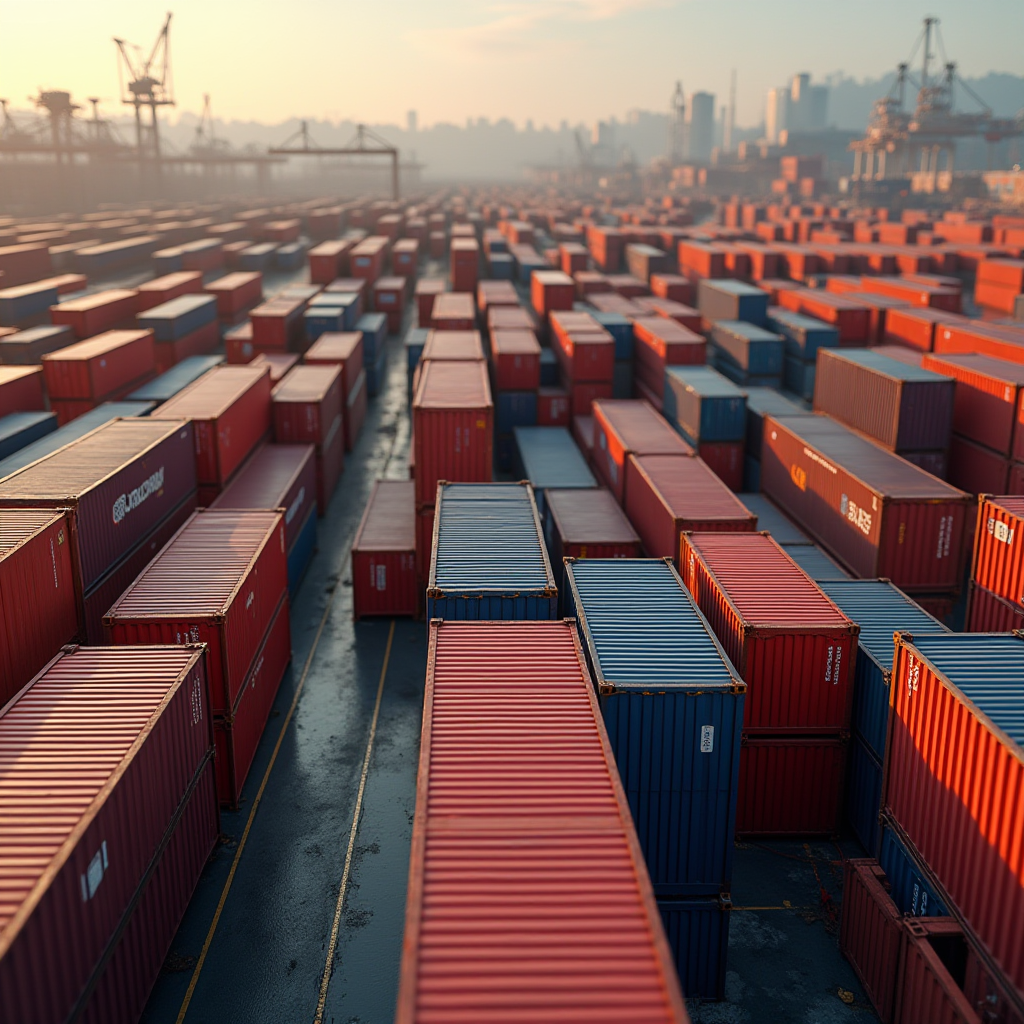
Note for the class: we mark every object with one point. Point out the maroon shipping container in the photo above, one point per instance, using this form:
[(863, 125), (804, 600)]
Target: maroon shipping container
[(977, 469), (583, 435), (219, 582), (523, 848), (669, 494), (101, 311), (725, 459), (170, 286), (307, 405), (328, 260), (585, 354), (584, 522), (999, 547), (871, 933), (926, 992), (791, 786), (21, 389), (120, 481), (236, 293), (100, 367), (200, 342), (554, 407), (851, 319), (624, 427), (38, 598), (89, 737), (426, 289), (997, 340), (873, 511), (659, 342), (990, 613), (453, 311), (230, 410), (583, 394), (457, 345), (515, 357), (384, 552), (280, 363), (791, 644), (550, 291), (277, 476), (277, 324), (238, 735), (453, 426), (346, 349)]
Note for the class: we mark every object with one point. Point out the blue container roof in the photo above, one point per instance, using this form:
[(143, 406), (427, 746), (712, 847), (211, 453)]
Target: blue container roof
[(987, 668), (768, 401), (771, 518), (815, 562), (416, 337), (880, 609), (800, 321), (489, 540), (551, 458), (180, 306), (643, 629), (742, 329), (373, 322), (15, 423), (705, 381), (168, 384)]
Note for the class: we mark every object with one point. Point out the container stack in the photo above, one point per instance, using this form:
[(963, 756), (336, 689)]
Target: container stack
[(240, 609), (795, 650), (345, 350), (659, 343), (548, 458), (996, 600), (673, 706), (999, 285), (550, 291), (384, 553), (374, 329), (747, 354), (93, 314), (761, 402), (586, 357), (802, 338), (515, 378), (182, 327), (464, 257)]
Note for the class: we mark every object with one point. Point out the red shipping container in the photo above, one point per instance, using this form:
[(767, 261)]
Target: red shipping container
[(535, 820), (426, 290), (200, 342), (725, 459), (586, 523), (667, 495), (996, 296), (454, 345), (236, 293), (453, 425), (624, 427), (453, 311), (121, 481), (585, 351), (102, 311), (218, 582), (916, 328), (851, 319), (495, 295), (989, 613), (573, 257), (238, 735), (672, 286), (329, 260), (464, 258), (926, 992), (914, 292), (307, 404), (389, 299), (591, 282), (791, 786), (660, 342), (405, 255), (281, 476), (551, 290), (170, 286), (230, 410), (384, 552), (509, 318), (93, 732), (999, 547), (791, 644), (278, 323), (554, 407), (21, 389), (38, 598), (342, 347), (977, 469), (874, 512), (583, 435), (515, 358), (998, 340), (280, 363), (583, 394), (1008, 273), (871, 933), (22, 264)]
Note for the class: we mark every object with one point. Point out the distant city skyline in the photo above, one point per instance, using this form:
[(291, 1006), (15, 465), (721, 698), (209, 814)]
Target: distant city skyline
[(544, 61)]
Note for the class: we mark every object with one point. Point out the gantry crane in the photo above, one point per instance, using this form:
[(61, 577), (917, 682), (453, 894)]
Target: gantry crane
[(149, 85)]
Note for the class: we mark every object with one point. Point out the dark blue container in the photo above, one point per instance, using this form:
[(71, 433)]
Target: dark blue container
[(301, 553), (751, 474), (177, 317), (726, 299), (880, 609), (168, 384), (319, 320), (864, 795), (622, 379), (698, 932), (350, 303), (375, 335), (72, 432), (25, 302), (505, 452), (19, 429), (752, 349), (703, 405), (799, 377), (620, 328), (815, 562), (911, 891), (802, 335), (514, 409), (415, 339), (290, 256), (376, 373), (257, 257), (763, 402), (548, 369), (527, 264), (771, 518), (489, 559), (741, 377), (169, 261), (502, 266), (673, 706), (549, 457)]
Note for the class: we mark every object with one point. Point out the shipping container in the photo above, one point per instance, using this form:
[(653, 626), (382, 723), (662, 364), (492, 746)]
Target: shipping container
[(515, 359), (514, 771), (384, 553), (964, 781), (864, 794), (586, 523), (26, 348), (488, 557), (732, 300), (101, 311), (704, 405), (167, 385), (93, 732), (658, 343), (21, 389), (697, 929), (977, 469), (236, 293), (990, 613), (999, 547), (878, 514), (18, 429), (772, 519), (911, 891), (746, 349), (548, 457), (917, 327), (673, 706), (180, 316), (454, 346), (927, 992), (763, 402), (584, 349), (816, 563), (802, 336), (219, 582)]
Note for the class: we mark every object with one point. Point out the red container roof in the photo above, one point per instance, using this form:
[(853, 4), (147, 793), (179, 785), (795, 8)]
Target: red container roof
[(459, 345), (231, 282), (453, 385), (212, 394), (639, 426), (389, 522), (307, 383), (514, 343), (454, 305), (91, 348), (96, 300), (18, 525), (691, 489), (265, 479), (589, 515), (334, 346)]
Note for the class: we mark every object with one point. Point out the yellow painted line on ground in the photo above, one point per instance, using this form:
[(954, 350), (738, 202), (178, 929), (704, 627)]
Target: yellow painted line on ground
[(346, 873)]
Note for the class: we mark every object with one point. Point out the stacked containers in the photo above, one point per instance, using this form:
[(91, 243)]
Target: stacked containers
[(586, 356), (230, 410), (515, 375), (26, 348), (710, 412), (374, 328), (996, 602), (851, 319), (222, 581), (98, 875), (346, 350), (281, 476), (795, 650), (747, 354), (464, 258), (101, 311), (802, 338), (183, 326), (916, 328), (673, 706), (168, 384), (307, 409), (586, 523), (471, 576), (880, 609), (389, 299), (550, 291), (21, 389), (877, 514), (905, 409), (129, 486), (549, 457), (384, 552), (732, 300), (277, 325), (507, 701), (762, 402), (644, 260), (658, 343)]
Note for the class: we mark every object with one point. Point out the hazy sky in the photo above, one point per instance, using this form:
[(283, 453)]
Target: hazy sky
[(452, 59)]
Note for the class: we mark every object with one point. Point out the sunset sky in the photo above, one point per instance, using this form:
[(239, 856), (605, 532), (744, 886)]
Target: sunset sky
[(454, 59)]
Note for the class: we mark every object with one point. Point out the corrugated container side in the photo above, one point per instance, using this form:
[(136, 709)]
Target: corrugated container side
[(927, 992), (999, 547), (990, 613), (864, 794), (912, 892), (384, 552), (698, 932)]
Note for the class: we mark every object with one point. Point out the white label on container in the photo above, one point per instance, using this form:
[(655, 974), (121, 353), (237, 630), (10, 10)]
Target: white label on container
[(1000, 531), (707, 739), (913, 675), (94, 872), (382, 577), (295, 505)]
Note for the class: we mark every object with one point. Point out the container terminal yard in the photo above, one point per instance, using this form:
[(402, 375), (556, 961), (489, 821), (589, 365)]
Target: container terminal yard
[(595, 597)]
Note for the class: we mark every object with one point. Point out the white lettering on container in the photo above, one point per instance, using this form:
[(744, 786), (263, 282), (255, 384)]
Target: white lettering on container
[(197, 700), (1002, 532), (295, 505), (381, 582), (707, 739), (815, 457), (133, 499), (860, 517), (913, 675), (945, 534)]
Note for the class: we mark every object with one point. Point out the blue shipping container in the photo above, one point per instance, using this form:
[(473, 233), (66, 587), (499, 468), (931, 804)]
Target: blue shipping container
[(177, 317), (319, 320), (489, 559), (257, 257), (771, 518), (799, 377), (880, 609), (375, 335), (26, 347), (26, 301), (763, 402), (502, 266), (698, 932), (802, 335), (549, 377), (673, 706), (703, 405), (620, 327), (505, 452), (168, 261), (290, 256), (301, 552), (167, 385), (549, 457), (864, 795), (726, 299), (815, 562), (376, 373), (622, 379), (19, 429), (750, 348), (911, 891), (514, 409), (751, 474)]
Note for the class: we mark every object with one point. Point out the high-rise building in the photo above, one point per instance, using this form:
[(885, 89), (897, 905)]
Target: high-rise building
[(775, 114), (702, 126), (799, 109), (412, 122)]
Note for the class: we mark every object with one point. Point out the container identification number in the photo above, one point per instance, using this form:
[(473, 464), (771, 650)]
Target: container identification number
[(913, 675), (197, 701), (707, 739), (381, 582), (860, 517), (835, 658)]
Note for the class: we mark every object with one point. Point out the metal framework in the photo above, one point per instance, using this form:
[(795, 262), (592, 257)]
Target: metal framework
[(149, 85)]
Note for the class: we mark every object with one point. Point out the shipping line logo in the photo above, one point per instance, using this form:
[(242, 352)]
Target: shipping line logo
[(134, 498)]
